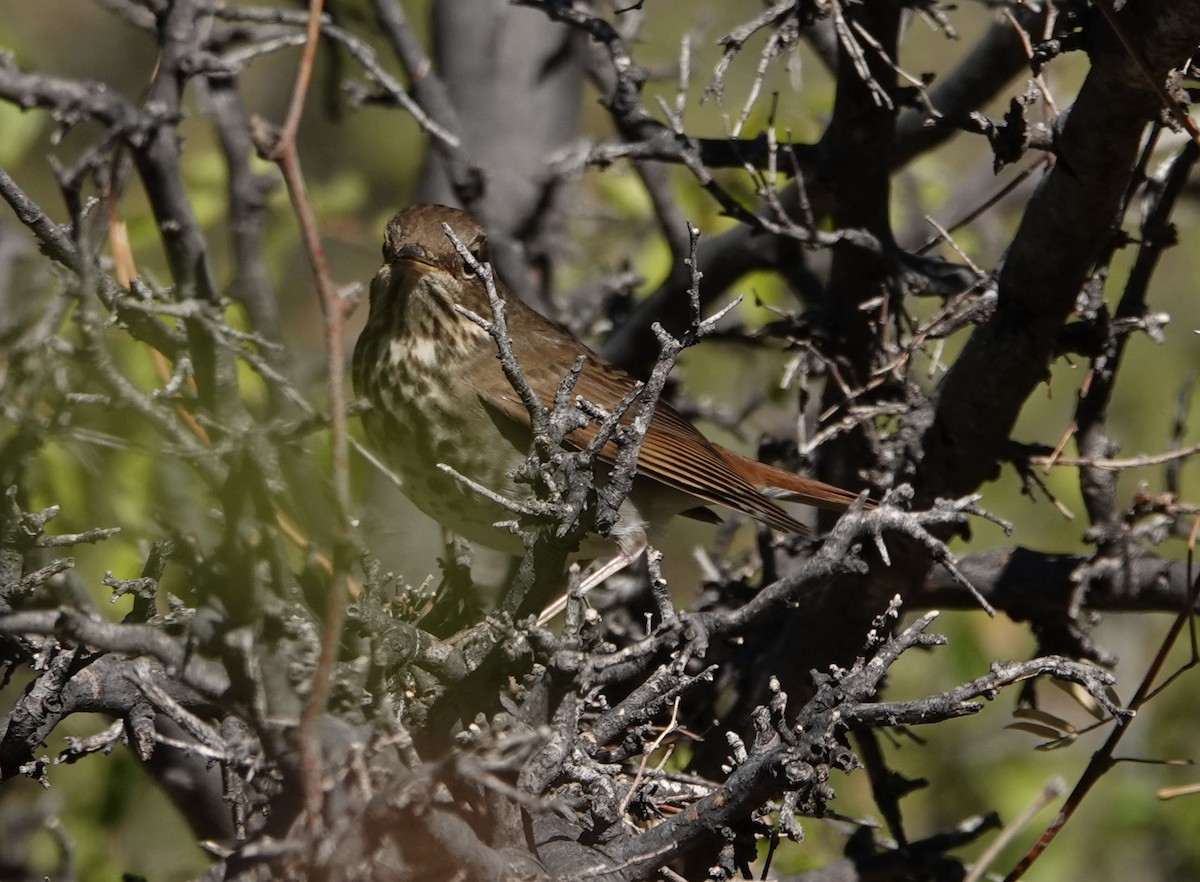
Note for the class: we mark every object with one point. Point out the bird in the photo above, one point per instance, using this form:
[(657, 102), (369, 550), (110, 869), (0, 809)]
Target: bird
[(439, 398)]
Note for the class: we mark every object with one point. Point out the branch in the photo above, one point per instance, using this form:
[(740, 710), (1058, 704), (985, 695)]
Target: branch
[(1072, 214)]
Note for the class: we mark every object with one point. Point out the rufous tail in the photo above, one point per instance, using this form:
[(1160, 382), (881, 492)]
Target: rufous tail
[(794, 488)]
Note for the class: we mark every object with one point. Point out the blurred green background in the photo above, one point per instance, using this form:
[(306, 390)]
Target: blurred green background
[(360, 167)]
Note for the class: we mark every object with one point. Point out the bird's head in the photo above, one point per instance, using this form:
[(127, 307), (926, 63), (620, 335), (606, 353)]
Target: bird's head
[(420, 260)]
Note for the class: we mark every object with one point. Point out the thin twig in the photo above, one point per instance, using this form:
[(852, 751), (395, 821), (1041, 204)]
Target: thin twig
[(281, 148)]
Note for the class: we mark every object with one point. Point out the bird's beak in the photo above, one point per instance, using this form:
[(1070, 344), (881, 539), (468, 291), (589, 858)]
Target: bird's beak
[(418, 260)]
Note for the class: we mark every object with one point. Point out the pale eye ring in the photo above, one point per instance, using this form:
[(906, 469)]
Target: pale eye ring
[(479, 251)]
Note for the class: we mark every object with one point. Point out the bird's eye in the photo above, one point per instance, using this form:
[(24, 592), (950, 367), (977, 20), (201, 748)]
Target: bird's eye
[(479, 251)]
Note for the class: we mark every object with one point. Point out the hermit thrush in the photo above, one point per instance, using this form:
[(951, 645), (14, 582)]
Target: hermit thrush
[(440, 396)]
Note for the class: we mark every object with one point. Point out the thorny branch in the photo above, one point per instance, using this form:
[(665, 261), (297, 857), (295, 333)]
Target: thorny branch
[(423, 743)]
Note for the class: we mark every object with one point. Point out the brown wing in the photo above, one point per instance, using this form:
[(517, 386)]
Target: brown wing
[(673, 452)]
